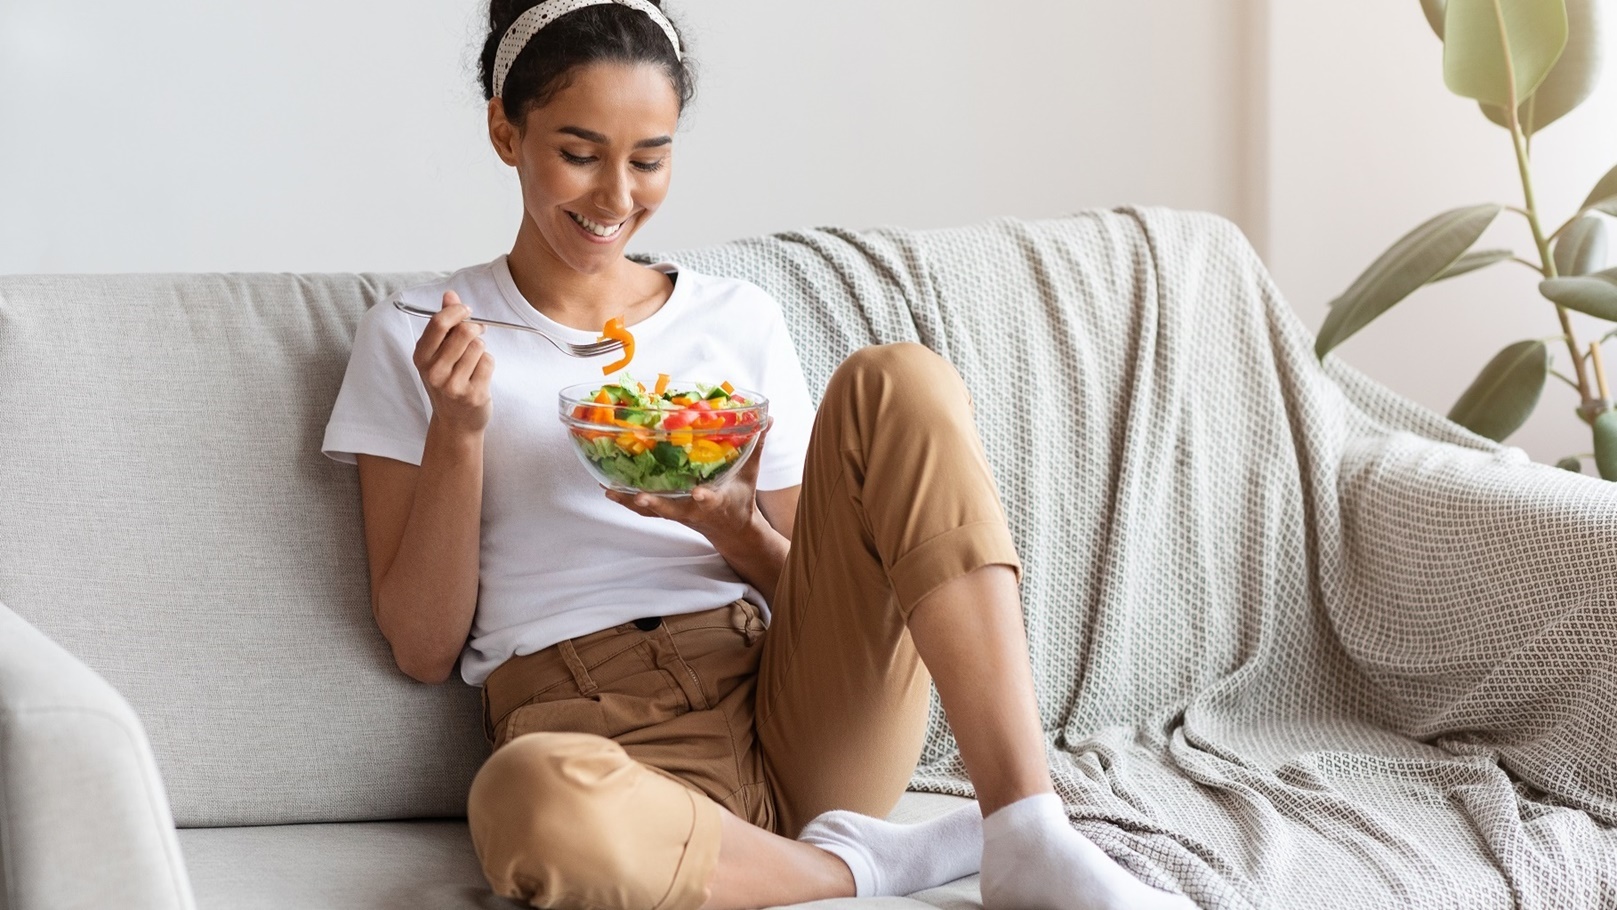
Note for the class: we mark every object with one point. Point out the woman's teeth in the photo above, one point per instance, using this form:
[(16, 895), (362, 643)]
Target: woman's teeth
[(599, 230)]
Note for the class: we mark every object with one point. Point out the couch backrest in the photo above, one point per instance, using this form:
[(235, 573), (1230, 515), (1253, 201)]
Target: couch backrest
[(169, 519)]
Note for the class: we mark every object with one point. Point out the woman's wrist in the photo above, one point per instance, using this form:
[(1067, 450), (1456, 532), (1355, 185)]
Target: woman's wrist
[(757, 552), (457, 442), (760, 533)]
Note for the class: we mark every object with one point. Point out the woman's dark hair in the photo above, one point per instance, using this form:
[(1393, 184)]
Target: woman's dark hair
[(604, 33)]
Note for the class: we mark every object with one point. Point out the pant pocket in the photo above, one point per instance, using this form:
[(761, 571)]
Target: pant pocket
[(632, 694)]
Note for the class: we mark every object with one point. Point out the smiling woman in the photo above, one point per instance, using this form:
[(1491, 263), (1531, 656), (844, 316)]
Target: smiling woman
[(675, 688)]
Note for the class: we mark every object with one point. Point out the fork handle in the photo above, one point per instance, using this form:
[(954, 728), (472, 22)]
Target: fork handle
[(428, 314)]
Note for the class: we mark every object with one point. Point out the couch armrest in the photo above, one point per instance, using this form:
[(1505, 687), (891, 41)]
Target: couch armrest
[(84, 818), (1478, 591)]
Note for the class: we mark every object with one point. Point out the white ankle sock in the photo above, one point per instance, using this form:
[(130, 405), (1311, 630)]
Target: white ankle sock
[(1033, 859), (893, 860)]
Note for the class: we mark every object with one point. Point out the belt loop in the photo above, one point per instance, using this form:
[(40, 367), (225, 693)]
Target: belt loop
[(745, 621), (586, 686)]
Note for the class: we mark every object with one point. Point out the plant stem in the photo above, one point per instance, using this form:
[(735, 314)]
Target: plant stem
[(1600, 370), (1522, 165), (1564, 378)]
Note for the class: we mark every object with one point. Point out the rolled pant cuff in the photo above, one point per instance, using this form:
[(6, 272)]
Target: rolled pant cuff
[(948, 556), (696, 867)]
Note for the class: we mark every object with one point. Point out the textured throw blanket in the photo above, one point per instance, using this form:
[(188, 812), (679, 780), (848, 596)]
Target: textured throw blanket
[(1299, 641)]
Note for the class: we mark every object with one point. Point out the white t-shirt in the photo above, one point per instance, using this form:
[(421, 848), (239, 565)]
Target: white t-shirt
[(557, 558)]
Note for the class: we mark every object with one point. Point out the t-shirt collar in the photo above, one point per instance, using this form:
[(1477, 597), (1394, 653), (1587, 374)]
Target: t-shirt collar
[(525, 311)]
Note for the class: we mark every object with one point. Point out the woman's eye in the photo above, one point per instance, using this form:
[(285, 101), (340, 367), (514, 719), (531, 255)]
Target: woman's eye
[(571, 158), (649, 166)]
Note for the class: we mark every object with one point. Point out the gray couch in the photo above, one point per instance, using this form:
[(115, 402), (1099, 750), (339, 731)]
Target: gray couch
[(1297, 641)]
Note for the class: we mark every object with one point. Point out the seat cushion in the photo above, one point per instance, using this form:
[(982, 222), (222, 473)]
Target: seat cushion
[(413, 865)]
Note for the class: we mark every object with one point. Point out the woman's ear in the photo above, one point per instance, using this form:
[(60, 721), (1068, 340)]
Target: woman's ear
[(502, 133)]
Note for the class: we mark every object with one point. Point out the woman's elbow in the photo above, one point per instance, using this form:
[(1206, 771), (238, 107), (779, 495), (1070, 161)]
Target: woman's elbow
[(429, 670)]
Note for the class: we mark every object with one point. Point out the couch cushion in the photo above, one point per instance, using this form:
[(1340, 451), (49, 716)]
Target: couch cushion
[(414, 865)]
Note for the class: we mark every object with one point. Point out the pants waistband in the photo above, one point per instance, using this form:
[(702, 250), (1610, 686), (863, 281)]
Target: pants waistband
[(515, 682)]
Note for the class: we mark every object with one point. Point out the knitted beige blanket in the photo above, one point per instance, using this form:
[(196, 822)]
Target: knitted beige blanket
[(1299, 641)]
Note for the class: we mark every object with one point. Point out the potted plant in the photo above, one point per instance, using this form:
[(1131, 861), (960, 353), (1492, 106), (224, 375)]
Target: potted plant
[(1527, 63)]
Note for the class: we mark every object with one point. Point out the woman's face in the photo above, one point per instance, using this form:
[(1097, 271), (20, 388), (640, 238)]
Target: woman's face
[(594, 163)]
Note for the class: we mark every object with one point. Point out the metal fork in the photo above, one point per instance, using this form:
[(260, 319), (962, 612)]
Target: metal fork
[(593, 349)]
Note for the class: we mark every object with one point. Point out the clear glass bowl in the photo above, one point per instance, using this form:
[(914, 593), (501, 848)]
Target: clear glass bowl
[(668, 449)]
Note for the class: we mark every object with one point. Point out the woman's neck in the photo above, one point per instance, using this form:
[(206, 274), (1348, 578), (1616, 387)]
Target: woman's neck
[(581, 300)]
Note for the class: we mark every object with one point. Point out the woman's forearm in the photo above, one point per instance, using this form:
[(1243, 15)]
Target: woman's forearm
[(429, 595), (757, 554)]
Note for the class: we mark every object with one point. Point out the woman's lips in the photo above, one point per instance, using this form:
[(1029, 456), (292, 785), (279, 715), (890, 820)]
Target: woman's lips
[(591, 235)]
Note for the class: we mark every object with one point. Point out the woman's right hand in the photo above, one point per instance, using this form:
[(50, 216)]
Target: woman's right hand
[(456, 369)]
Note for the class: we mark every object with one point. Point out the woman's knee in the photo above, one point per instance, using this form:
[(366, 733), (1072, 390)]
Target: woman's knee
[(900, 358), (563, 820), (906, 368)]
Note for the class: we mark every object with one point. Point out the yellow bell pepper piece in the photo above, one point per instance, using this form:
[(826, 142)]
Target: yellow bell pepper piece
[(706, 451)]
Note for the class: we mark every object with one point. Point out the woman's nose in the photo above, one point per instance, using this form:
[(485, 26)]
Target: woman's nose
[(615, 192)]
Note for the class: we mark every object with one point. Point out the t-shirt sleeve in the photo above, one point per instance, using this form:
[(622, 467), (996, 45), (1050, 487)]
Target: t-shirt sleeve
[(786, 445), (382, 407)]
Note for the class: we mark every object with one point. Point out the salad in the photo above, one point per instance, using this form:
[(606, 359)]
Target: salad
[(663, 439)]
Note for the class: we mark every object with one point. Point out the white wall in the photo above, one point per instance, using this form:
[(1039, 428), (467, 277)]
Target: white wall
[(1364, 143), (184, 135)]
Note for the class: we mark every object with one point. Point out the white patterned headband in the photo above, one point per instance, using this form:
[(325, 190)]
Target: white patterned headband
[(537, 17)]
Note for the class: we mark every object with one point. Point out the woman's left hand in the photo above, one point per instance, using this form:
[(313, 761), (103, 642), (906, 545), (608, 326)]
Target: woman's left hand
[(722, 513)]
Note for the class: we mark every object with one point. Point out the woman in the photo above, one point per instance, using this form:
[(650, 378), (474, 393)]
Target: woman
[(656, 745)]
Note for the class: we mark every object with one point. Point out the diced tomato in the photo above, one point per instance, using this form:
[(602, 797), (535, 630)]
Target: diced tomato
[(679, 420)]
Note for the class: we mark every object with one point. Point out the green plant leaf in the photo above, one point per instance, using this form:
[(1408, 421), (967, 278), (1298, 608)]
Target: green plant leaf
[(1417, 257), (1582, 249), (1470, 262), (1594, 294), (1571, 463), (1606, 445), (1434, 14), (1505, 392), (1474, 50), (1574, 76), (1604, 191)]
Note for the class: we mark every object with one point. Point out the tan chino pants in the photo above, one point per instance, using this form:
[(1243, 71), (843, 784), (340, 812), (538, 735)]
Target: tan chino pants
[(614, 751)]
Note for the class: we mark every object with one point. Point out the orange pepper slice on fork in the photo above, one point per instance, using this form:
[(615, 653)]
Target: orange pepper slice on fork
[(615, 329)]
